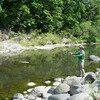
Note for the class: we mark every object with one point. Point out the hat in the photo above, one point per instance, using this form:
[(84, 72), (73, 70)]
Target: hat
[(81, 47)]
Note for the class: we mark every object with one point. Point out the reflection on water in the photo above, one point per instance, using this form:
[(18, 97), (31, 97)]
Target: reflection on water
[(38, 66)]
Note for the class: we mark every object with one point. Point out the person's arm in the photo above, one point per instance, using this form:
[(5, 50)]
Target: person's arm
[(79, 55)]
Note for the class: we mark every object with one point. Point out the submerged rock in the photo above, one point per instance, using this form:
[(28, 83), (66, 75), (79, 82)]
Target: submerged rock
[(94, 58)]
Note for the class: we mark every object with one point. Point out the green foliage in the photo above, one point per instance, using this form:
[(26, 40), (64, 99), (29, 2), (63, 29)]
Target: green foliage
[(80, 18), (13, 34)]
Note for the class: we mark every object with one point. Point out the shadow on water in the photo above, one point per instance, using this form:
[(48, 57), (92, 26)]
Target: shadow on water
[(39, 66)]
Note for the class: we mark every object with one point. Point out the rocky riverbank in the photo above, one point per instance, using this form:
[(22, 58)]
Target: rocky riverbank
[(70, 88), (10, 49)]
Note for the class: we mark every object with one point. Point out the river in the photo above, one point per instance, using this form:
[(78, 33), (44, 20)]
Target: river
[(39, 66)]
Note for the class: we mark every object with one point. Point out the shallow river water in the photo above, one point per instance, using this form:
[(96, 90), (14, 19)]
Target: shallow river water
[(39, 66)]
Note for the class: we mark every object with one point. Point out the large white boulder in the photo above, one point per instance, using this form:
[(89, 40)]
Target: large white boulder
[(73, 81), (59, 97), (62, 88)]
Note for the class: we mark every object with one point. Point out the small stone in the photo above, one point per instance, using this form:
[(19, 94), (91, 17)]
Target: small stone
[(58, 79), (25, 62), (31, 84), (47, 82), (25, 92)]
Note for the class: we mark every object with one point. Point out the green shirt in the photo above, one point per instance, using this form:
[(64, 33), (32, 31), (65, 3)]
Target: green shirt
[(80, 55)]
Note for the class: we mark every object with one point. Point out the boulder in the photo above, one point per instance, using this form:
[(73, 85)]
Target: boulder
[(94, 58), (80, 96), (61, 88), (40, 89), (74, 90), (73, 81), (59, 97), (18, 96), (90, 77)]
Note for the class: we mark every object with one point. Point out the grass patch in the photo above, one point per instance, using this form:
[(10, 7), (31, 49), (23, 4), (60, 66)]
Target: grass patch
[(34, 39)]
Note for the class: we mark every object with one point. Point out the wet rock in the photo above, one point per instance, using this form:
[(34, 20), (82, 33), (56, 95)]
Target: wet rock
[(94, 58)]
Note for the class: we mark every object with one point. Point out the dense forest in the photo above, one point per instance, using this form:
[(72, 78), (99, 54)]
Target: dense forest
[(78, 18)]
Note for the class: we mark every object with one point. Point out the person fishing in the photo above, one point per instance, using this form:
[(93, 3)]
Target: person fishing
[(81, 55)]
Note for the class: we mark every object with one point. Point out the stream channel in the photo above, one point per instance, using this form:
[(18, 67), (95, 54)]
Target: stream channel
[(39, 66)]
